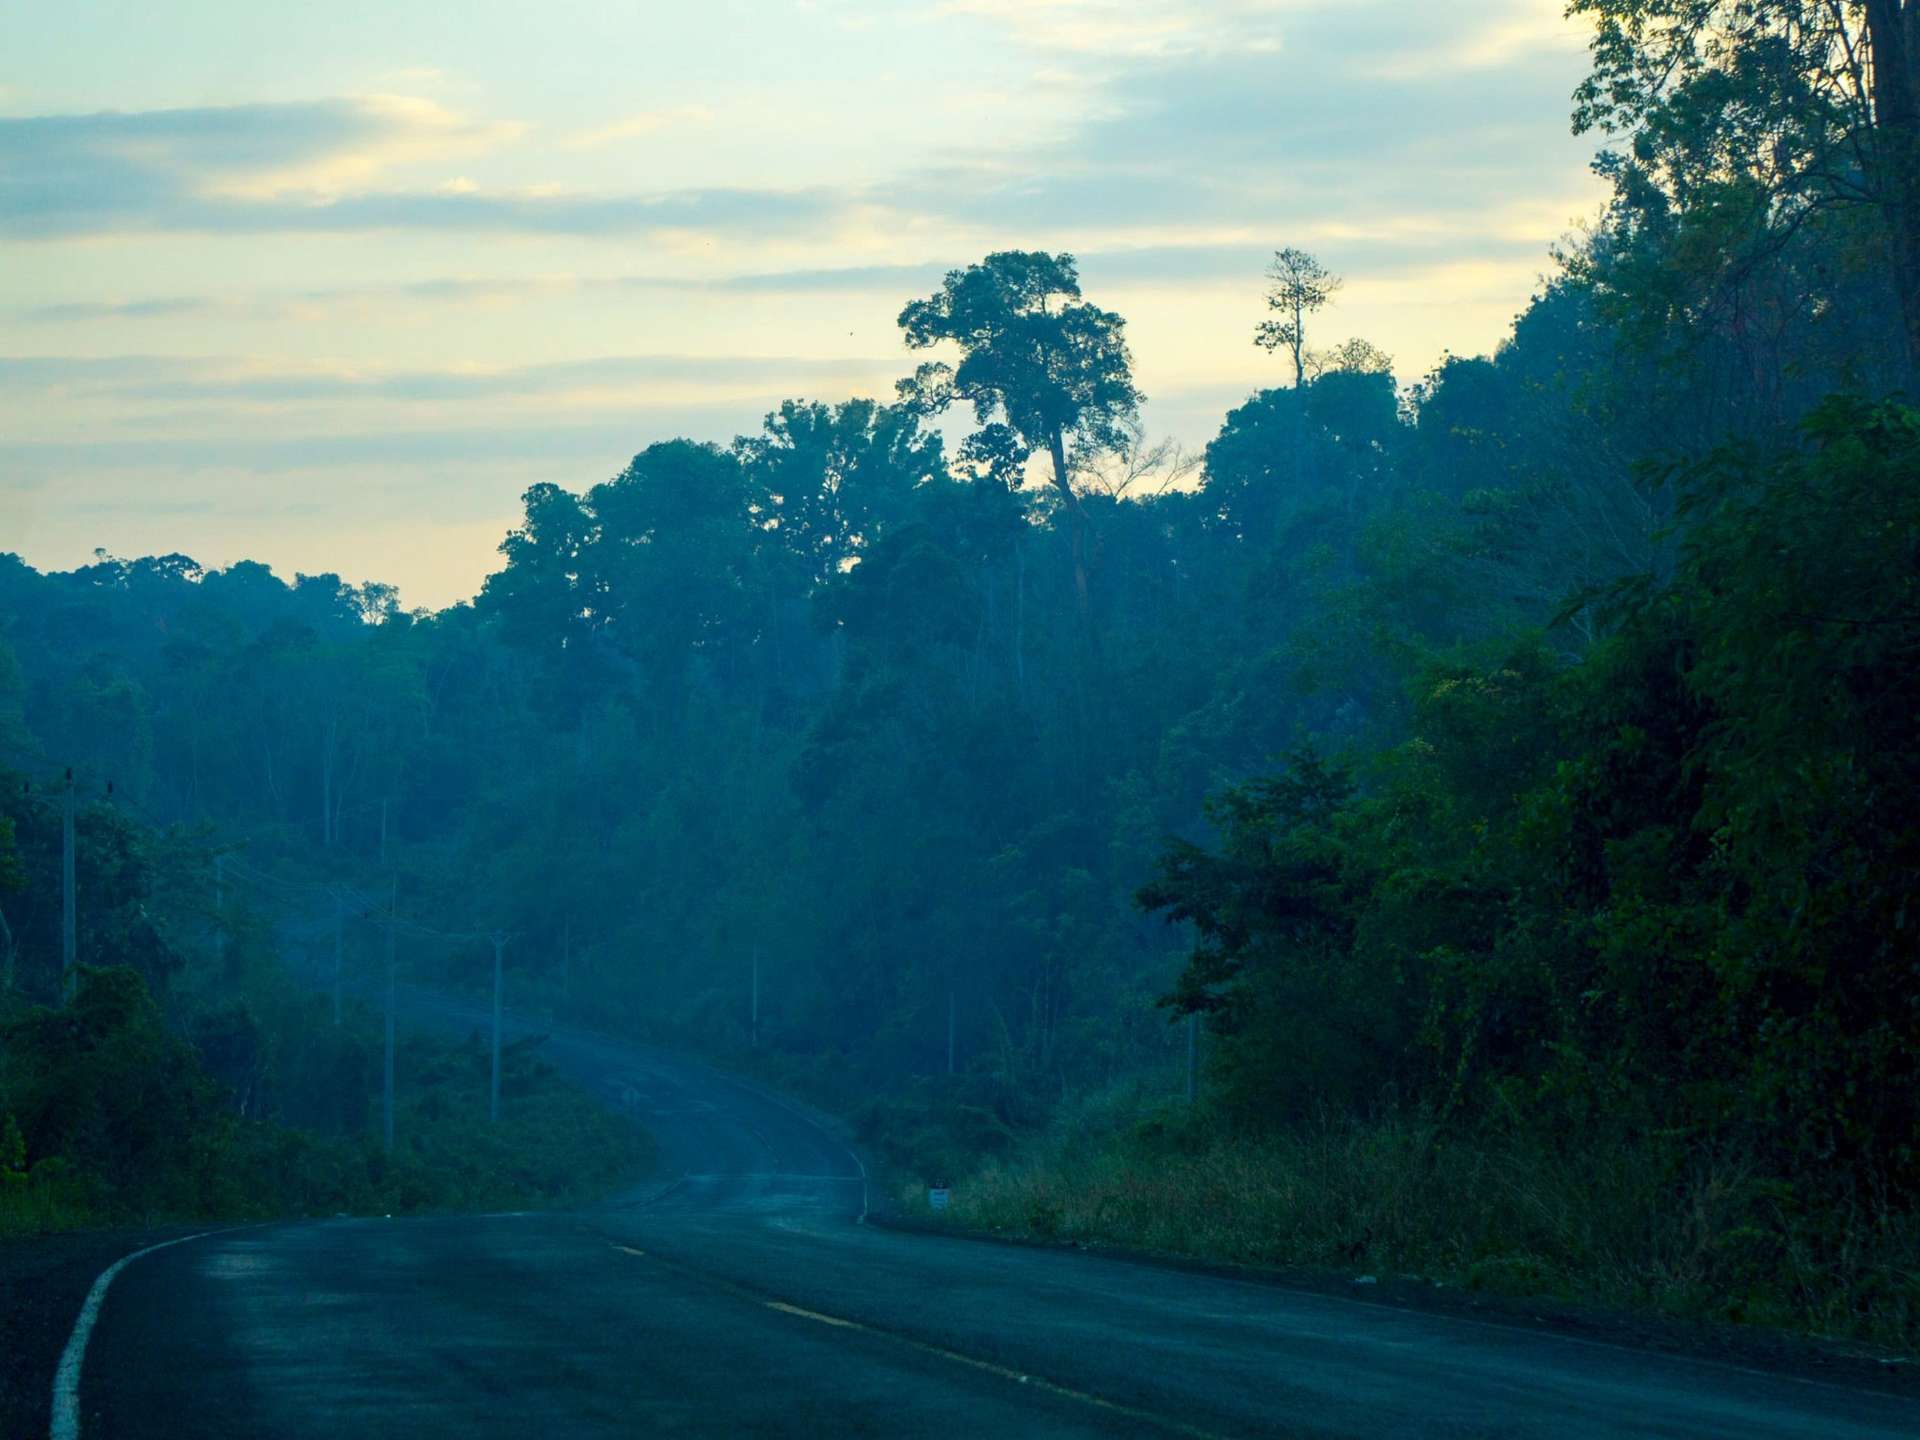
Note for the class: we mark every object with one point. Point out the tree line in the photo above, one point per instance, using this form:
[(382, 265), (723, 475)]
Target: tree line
[(1529, 743)]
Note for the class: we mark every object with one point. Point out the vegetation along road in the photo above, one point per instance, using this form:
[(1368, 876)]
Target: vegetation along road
[(739, 1292)]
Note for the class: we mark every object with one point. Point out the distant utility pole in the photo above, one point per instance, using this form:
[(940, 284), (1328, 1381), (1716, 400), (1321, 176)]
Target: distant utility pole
[(393, 915), (493, 1093), (756, 997), (1193, 1056), (69, 930), (339, 923)]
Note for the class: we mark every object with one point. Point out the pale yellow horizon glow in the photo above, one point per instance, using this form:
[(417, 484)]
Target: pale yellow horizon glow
[(330, 296)]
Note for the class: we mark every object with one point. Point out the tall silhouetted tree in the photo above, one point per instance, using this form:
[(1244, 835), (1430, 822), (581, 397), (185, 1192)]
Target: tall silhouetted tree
[(1033, 353), (1300, 287)]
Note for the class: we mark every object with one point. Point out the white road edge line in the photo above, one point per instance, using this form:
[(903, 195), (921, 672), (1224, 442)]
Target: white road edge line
[(66, 1380), (806, 1120)]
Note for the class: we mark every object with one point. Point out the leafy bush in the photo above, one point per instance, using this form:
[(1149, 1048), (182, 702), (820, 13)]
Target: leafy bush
[(108, 1117)]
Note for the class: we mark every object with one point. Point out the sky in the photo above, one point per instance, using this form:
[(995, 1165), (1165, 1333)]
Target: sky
[(330, 286)]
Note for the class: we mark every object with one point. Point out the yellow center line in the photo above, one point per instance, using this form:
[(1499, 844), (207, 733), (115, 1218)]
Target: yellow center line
[(1032, 1382)]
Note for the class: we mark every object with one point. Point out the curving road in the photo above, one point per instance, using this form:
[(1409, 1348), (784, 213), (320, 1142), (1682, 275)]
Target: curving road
[(740, 1295)]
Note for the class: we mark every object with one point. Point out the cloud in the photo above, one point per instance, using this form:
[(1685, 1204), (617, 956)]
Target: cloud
[(1504, 36), (605, 440), (46, 371), (534, 212), (1127, 28), (452, 290), (160, 307), (1514, 232), (396, 131), (1194, 122), (1222, 137), (309, 168), (649, 122), (175, 380), (77, 173)]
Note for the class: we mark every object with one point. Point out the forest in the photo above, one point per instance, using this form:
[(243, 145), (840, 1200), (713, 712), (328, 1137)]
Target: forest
[(1509, 768)]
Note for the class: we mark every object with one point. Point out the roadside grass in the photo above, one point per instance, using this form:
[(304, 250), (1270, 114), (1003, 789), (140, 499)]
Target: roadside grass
[(1620, 1225)]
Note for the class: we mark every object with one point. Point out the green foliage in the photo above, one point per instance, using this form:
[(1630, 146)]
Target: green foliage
[(110, 1118), (1742, 128), (1032, 351), (13, 1152), (1558, 749), (123, 1105), (1664, 892)]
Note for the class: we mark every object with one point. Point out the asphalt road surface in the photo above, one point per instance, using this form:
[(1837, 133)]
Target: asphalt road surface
[(739, 1295)]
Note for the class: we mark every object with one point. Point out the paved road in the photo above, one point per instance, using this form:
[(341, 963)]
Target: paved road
[(739, 1295)]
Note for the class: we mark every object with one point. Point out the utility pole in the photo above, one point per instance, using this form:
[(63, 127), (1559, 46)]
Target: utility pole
[(393, 913), (339, 922), (69, 936), (493, 1094), (756, 997), (1193, 1056)]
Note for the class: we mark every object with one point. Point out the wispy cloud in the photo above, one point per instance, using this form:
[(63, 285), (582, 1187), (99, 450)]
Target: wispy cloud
[(79, 171), (1515, 34), (158, 308), (1192, 115), (335, 453), (1128, 28), (311, 168), (183, 378), (1318, 128), (1394, 244), (395, 131), (633, 127)]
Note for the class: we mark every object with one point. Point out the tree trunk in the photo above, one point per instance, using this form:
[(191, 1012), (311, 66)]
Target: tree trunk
[(1893, 32), (1019, 618), (326, 788), (1076, 528), (1299, 346)]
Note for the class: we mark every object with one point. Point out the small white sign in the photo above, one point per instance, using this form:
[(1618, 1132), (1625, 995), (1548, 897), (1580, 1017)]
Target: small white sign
[(937, 1199)]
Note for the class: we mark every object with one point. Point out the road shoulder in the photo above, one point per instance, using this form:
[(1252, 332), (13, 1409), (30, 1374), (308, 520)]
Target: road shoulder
[(1773, 1352), (44, 1280)]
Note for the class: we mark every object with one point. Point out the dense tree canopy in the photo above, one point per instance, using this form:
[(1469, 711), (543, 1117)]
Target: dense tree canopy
[(1530, 745)]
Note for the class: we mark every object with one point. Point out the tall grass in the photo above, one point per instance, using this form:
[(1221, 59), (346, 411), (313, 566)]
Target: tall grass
[(1621, 1224)]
